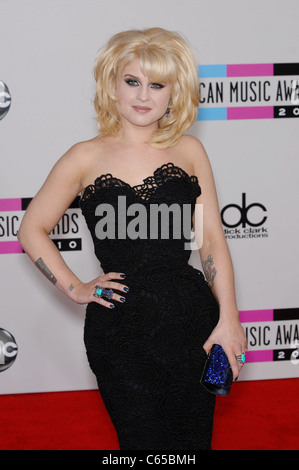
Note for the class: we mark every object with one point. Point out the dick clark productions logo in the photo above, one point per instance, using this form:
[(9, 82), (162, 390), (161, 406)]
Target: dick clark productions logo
[(245, 220), (243, 212), (5, 100), (8, 350)]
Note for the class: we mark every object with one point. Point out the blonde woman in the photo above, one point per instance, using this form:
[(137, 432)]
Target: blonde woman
[(151, 317)]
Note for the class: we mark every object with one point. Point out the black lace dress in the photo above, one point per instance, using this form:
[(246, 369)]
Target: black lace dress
[(147, 353)]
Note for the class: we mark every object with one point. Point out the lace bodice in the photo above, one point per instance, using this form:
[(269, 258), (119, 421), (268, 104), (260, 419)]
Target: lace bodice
[(168, 185), (145, 190)]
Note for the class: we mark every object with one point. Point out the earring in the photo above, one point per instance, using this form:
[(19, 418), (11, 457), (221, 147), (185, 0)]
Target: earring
[(167, 111)]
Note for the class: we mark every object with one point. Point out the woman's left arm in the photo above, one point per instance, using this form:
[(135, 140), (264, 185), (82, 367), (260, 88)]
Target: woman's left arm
[(217, 264)]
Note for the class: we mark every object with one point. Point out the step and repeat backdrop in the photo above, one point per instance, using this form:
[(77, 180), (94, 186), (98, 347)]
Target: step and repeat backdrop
[(248, 121)]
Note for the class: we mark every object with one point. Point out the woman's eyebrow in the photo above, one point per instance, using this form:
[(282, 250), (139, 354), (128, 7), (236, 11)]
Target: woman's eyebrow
[(131, 76)]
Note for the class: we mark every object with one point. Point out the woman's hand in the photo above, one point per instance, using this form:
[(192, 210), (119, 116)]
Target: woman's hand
[(83, 293), (230, 335)]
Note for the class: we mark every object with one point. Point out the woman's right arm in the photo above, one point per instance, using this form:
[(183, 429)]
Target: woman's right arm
[(44, 212)]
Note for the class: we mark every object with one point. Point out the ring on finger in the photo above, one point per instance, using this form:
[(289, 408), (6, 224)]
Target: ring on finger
[(101, 292), (241, 359)]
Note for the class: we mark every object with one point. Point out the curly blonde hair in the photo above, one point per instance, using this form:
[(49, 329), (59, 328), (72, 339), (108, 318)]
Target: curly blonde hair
[(164, 56)]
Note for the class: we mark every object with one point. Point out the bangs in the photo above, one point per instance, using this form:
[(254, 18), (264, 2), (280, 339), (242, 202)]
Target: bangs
[(156, 64)]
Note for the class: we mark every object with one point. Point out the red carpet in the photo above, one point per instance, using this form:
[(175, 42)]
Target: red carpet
[(261, 415)]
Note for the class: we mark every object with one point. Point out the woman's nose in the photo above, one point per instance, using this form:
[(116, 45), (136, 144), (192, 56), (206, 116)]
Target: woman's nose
[(143, 93)]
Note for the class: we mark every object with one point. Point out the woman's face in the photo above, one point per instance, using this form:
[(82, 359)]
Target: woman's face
[(141, 102)]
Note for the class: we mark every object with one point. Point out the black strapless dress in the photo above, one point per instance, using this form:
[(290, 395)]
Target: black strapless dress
[(147, 353)]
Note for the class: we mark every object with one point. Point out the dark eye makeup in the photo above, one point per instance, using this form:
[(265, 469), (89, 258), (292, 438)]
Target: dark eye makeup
[(133, 82)]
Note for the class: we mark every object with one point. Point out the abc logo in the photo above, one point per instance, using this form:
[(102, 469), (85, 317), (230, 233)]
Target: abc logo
[(245, 215), (8, 350), (5, 100)]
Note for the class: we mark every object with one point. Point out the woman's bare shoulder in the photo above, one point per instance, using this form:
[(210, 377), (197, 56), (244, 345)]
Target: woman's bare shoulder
[(192, 144), (194, 152), (85, 151), (84, 155)]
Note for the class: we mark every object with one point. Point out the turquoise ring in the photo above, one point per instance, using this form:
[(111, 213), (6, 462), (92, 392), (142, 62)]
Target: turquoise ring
[(241, 359), (101, 292)]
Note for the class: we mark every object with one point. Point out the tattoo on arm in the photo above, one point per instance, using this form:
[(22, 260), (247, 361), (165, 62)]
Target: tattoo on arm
[(71, 287), (46, 271), (209, 270)]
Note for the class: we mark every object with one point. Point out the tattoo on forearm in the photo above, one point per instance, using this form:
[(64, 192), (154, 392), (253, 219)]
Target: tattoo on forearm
[(71, 287), (46, 271), (209, 270)]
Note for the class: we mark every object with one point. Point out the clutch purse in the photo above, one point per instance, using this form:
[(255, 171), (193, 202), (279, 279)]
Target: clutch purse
[(217, 376)]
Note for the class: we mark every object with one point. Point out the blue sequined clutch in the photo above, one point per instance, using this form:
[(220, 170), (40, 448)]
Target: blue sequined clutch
[(217, 376)]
